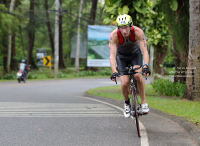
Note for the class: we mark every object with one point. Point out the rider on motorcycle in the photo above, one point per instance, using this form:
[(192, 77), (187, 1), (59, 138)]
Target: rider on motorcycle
[(24, 68)]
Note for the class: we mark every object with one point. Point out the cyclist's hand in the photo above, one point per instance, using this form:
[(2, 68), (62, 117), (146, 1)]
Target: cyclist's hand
[(114, 76), (146, 71)]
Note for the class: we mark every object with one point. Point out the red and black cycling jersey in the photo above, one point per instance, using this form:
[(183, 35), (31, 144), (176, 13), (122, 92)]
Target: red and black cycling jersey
[(127, 46)]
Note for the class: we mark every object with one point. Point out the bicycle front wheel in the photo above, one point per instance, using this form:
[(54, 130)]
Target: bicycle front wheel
[(136, 113)]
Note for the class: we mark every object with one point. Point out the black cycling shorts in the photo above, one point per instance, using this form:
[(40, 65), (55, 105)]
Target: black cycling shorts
[(124, 60)]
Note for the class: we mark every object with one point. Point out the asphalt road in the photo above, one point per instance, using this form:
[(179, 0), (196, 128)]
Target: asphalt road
[(58, 113)]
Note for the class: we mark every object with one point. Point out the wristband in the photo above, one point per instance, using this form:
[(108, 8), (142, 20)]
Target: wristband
[(145, 65)]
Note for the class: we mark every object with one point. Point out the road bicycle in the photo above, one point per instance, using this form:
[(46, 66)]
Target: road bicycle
[(134, 104)]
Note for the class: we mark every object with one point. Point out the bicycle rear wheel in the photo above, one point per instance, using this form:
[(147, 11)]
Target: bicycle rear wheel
[(134, 103)]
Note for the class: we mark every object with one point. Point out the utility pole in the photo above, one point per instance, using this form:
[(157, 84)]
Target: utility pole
[(9, 38), (56, 40), (78, 39)]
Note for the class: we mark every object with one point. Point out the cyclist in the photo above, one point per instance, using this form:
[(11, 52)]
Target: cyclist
[(127, 44)]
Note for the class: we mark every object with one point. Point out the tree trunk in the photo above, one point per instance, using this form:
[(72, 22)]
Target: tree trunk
[(5, 45), (78, 38), (10, 38), (159, 55), (176, 60), (5, 3), (92, 21), (13, 55), (56, 39), (180, 62), (133, 15), (101, 14), (22, 42), (61, 62), (93, 12), (5, 52), (49, 27), (31, 36), (193, 70)]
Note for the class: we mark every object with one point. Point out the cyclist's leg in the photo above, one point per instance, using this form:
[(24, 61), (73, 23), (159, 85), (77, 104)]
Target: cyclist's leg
[(140, 84), (125, 86), (140, 81), (137, 62), (124, 78)]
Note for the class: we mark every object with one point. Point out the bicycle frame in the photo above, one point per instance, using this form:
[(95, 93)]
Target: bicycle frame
[(133, 92), (135, 105), (134, 95)]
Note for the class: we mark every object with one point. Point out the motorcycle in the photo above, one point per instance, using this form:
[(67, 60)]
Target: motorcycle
[(21, 76)]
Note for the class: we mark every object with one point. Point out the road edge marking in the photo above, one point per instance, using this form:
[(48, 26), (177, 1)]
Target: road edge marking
[(143, 132)]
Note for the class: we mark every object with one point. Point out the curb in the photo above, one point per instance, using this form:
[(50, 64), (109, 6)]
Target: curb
[(188, 126)]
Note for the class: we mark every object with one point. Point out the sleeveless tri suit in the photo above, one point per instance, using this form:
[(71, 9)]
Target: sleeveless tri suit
[(128, 52)]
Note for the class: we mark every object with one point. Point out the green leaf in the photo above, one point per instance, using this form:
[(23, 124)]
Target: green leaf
[(173, 5), (106, 21), (149, 4), (151, 11), (132, 10), (137, 3), (158, 36), (156, 42), (109, 9), (123, 10), (141, 10)]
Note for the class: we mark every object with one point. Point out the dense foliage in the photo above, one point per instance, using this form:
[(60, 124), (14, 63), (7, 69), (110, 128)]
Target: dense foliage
[(167, 87), (19, 22)]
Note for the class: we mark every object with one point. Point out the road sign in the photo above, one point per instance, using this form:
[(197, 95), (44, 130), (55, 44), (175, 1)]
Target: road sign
[(47, 61)]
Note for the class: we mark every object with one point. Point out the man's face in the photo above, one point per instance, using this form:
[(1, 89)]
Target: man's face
[(125, 30)]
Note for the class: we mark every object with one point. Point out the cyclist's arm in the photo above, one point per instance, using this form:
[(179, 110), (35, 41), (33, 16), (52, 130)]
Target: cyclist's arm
[(113, 50), (139, 34)]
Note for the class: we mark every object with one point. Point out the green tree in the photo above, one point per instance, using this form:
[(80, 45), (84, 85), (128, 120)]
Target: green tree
[(151, 20), (7, 21), (177, 15), (158, 35), (134, 8)]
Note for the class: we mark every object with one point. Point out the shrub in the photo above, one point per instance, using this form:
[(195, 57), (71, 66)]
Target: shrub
[(8, 77), (31, 76), (167, 87), (105, 73), (61, 75)]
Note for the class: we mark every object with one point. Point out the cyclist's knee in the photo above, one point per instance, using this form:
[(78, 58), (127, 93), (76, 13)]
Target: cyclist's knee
[(124, 83), (124, 79), (138, 77)]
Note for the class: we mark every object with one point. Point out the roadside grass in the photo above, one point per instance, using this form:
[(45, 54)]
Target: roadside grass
[(44, 73), (169, 104)]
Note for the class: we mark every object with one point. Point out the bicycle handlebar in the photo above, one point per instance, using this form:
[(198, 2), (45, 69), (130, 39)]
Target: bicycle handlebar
[(131, 71), (131, 68)]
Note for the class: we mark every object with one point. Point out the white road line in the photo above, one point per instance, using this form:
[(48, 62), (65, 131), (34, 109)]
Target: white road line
[(63, 115), (143, 132), (19, 109)]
